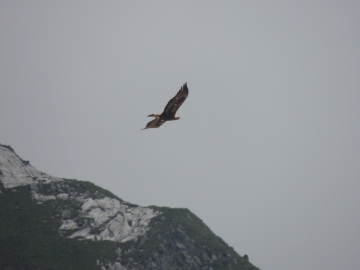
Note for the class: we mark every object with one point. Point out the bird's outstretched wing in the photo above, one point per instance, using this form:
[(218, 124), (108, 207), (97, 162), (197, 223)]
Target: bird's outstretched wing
[(155, 123), (175, 103)]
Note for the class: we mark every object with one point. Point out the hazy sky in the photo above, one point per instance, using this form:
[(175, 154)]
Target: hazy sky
[(268, 149)]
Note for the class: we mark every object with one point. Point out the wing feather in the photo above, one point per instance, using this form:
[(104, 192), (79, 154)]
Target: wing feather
[(155, 123), (175, 103)]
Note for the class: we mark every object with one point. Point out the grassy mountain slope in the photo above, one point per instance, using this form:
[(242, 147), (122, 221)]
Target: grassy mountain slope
[(29, 236), (32, 214)]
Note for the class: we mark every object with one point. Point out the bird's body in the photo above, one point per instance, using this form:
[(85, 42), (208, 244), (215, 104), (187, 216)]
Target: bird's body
[(170, 109)]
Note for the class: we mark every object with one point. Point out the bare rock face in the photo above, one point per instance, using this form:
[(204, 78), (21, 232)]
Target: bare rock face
[(16, 172), (100, 218), (117, 222)]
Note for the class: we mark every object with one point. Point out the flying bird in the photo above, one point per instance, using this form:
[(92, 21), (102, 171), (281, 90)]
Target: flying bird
[(170, 109)]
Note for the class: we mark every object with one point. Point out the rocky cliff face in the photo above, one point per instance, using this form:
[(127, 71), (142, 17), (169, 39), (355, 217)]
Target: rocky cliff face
[(107, 232), (99, 217)]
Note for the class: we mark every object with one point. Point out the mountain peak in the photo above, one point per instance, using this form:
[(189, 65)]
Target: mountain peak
[(48, 214), (15, 171)]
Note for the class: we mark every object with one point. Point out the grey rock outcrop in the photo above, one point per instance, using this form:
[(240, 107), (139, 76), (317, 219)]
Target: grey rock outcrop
[(111, 219)]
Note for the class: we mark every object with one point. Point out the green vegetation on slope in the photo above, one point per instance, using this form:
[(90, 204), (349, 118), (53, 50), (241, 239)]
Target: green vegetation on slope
[(29, 237), (177, 230)]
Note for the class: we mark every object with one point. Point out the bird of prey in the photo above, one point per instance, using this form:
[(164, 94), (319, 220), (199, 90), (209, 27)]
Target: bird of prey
[(170, 109)]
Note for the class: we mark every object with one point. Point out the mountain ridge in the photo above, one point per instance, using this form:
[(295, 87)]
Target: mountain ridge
[(104, 232)]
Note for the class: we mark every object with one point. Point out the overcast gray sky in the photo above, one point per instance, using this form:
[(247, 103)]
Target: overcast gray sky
[(268, 149)]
